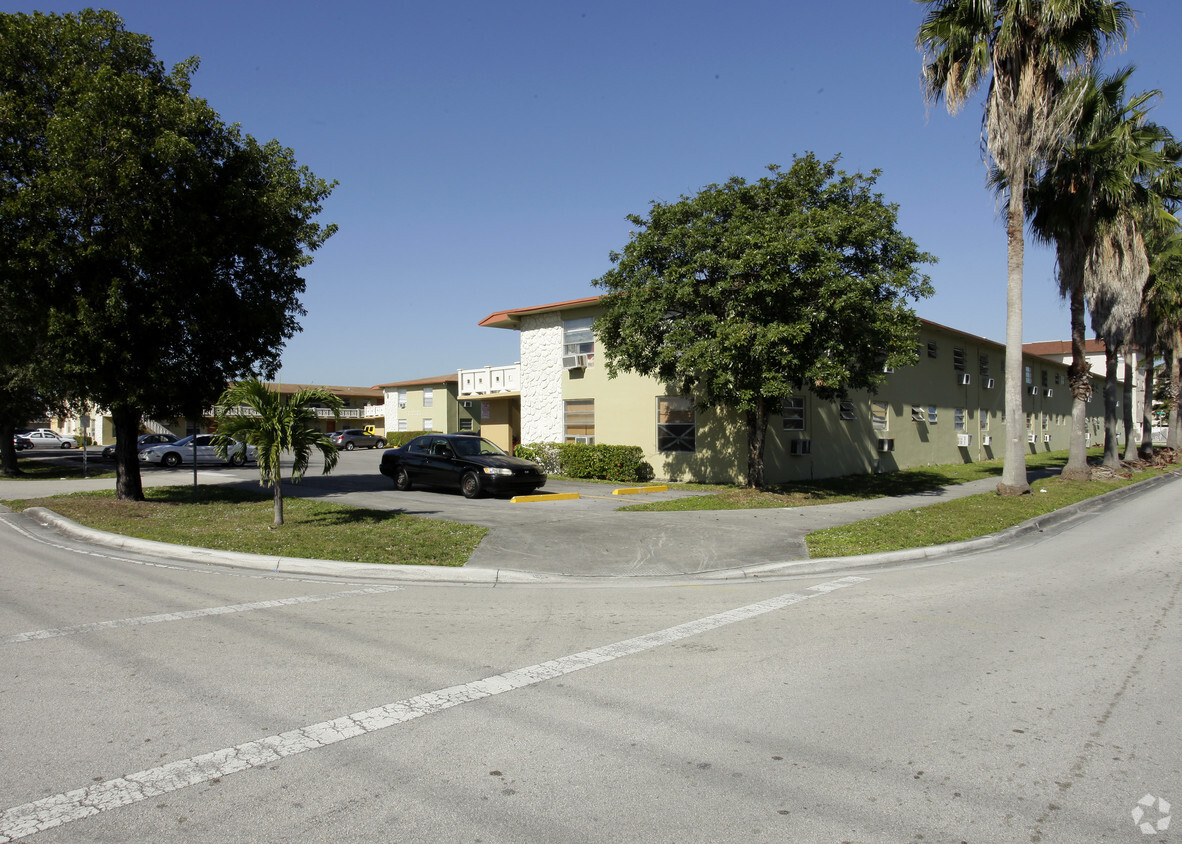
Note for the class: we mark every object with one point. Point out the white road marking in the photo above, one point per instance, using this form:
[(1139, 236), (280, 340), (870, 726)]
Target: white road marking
[(50, 812), (186, 614)]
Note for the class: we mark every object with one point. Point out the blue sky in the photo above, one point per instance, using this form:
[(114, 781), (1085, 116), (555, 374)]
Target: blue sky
[(488, 153)]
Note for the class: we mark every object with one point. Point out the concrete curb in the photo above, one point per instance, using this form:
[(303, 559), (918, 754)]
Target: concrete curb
[(492, 577)]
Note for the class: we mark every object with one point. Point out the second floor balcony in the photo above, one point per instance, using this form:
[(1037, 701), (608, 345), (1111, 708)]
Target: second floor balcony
[(490, 379)]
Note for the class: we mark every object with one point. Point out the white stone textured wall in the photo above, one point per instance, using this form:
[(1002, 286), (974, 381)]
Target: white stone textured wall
[(541, 378)]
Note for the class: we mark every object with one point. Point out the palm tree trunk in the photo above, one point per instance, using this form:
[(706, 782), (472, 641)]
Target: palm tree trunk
[(1174, 433), (1080, 379), (1146, 450), (1111, 435), (1130, 389), (278, 487), (1013, 472)]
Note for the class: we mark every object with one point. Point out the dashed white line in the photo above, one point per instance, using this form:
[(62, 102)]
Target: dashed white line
[(187, 614), (49, 812)]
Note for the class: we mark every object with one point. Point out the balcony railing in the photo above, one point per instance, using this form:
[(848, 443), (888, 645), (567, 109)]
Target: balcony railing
[(370, 411), (490, 379)]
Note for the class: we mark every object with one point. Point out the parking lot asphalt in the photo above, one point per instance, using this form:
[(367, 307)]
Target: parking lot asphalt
[(588, 537)]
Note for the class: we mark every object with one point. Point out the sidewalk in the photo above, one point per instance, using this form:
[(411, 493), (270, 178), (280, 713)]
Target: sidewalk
[(553, 544)]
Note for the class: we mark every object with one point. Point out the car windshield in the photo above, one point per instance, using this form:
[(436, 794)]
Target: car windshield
[(470, 446), (186, 441)]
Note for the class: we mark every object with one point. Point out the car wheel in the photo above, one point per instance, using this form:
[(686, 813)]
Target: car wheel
[(401, 478), (171, 460), (470, 485), (349, 446), (237, 458), (65, 445), (380, 444)]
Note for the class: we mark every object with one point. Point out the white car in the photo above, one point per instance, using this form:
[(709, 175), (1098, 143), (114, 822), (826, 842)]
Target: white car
[(45, 438), (181, 451)]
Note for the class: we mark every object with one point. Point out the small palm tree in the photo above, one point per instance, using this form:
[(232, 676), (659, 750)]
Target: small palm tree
[(275, 424), (1024, 48)]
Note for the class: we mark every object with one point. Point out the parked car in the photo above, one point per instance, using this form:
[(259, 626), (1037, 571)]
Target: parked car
[(21, 442), (142, 442), (471, 464), (356, 438), (45, 438), (181, 451)]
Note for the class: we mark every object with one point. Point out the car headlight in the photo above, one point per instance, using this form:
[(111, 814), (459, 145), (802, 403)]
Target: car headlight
[(496, 470)]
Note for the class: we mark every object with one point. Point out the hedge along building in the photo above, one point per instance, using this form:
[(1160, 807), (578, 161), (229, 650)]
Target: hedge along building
[(947, 408)]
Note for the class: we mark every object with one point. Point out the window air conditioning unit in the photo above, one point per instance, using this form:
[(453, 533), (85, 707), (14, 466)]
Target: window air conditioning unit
[(467, 404), (402, 404), (1034, 391), (964, 440), (963, 378), (885, 445), (987, 440), (800, 447), (888, 369), (1031, 438), (989, 383), (1046, 438), (1050, 392), (585, 440), (574, 362)]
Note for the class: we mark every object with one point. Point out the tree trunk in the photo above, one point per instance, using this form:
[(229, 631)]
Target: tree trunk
[(1146, 450), (278, 487), (1080, 378), (1013, 472), (1174, 435), (1111, 451), (756, 437), (1130, 388), (8, 465), (128, 484), (1171, 397)]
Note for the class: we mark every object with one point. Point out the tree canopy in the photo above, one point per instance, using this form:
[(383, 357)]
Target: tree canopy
[(162, 246), (747, 292)]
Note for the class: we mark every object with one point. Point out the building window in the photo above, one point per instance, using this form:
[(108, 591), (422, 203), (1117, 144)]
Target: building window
[(428, 423), (1029, 374), (984, 366), (1044, 378), (402, 398), (401, 424), (465, 424), (428, 398), (983, 419), (958, 360), (917, 414), (580, 420), (792, 409), (846, 411), (932, 414), (878, 415), (931, 350), (1046, 422), (577, 338), (1030, 422), (959, 415), (675, 424)]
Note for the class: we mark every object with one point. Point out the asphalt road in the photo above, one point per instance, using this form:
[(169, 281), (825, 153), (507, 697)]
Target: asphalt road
[(1025, 694)]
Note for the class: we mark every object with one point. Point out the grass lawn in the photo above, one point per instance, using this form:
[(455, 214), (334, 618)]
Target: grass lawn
[(52, 470), (958, 520), (238, 520)]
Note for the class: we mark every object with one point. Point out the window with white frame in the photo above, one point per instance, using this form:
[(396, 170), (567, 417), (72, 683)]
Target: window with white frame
[(933, 414), (428, 423), (580, 420), (846, 411), (676, 426), (402, 425), (402, 398), (577, 338), (983, 419), (465, 424), (959, 418), (878, 415), (792, 410), (428, 399), (1029, 374)]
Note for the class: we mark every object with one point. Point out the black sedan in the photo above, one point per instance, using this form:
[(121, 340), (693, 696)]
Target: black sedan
[(472, 464)]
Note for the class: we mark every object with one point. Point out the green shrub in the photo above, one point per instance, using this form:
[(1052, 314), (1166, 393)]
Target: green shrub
[(621, 463), (394, 439)]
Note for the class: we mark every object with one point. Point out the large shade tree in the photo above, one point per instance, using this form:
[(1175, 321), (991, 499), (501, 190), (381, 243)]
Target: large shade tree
[(1024, 48), (278, 425), (168, 244), (745, 293)]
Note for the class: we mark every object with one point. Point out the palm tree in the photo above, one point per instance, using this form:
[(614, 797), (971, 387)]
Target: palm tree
[(1082, 204), (1025, 48), (1163, 298), (275, 424)]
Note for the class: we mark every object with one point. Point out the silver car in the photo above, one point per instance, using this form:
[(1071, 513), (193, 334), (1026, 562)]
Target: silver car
[(352, 438), (207, 447), (45, 438)]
